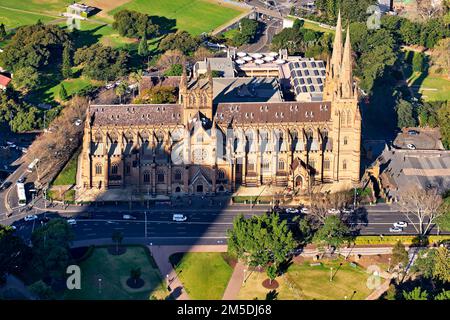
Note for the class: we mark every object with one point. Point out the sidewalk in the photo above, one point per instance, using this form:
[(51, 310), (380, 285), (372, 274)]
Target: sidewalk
[(235, 283)]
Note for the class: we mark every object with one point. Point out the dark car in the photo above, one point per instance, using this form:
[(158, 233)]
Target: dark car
[(5, 185), (413, 132)]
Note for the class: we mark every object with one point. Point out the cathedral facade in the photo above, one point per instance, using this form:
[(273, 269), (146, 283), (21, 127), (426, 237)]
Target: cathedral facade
[(196, 147)]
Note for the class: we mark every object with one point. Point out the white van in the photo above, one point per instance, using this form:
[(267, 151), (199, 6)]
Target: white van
[(179, 217)]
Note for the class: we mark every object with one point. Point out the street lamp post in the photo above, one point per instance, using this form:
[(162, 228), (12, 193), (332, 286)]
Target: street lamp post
[(99, 285)]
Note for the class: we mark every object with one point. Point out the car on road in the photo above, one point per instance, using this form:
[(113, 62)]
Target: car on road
[(305, 210), (410, 146), (292, 210), (347, 210), (5, 185), (30, 217), (413, 132), (21, 180), (72, 221), (128, 217), (78, 122), (400, 224), (395, 230), (334, 211), (179, 217)]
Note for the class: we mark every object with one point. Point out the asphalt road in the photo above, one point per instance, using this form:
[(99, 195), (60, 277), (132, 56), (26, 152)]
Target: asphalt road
[(207, 225)]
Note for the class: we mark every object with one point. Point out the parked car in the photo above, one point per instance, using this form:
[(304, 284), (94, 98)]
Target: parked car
[(400, 224), (78, 122), (30, 217), (334, 211), (395, 230), (179, 217), (128, 217), (292, 210), (5, 185), (305, 210), (347, 210), (72, 221), (21, 180), (413, 132), (410, 146)]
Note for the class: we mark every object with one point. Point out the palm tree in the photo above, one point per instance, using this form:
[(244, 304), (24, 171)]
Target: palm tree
[(121, 90), (117, 237), (135, 274), (136, 77)]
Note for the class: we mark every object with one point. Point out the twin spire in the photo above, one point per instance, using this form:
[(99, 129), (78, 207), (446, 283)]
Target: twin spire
[(339, 69)]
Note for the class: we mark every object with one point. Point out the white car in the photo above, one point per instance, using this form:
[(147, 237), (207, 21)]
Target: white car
[(410, 146), (305, 210), (30, 217), (347, 211), (78, 122), (334, 211), (72, 221), (128, 217), (395, 230), (292, 210), (179, 217), (400, 224)]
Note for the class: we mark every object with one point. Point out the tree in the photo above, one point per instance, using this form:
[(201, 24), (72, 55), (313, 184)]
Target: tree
[(134, 24), (181, 40), (42, 290), (136, 78), (51, 244), (441, 56), (14, 254), (174, 70), (66, 62), (202, 53), (399, 255), (424, 205), (405, 114), (157, 95), (433, 264), (102, 62), (260, 239), (62, 92), (117, 237), (271, 272), (143, 46), (135, 274), (121, 89), (26, 79), (444, 295), (416, 294), (418, 62), (428, 8), (3, 34), (170, 58), (443, 116), (333, 233)]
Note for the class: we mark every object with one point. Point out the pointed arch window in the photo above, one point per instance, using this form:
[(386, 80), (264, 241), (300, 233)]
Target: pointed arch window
[(177, 175), (98, 168), (146, 177), (344, 165), (114, 168), (160, 177), (345, 140)]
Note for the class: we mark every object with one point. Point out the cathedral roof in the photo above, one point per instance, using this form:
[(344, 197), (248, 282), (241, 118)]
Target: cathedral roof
[(273, 112), (136, 114)]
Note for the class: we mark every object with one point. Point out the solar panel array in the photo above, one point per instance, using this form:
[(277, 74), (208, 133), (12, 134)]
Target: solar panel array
[(307, 76)]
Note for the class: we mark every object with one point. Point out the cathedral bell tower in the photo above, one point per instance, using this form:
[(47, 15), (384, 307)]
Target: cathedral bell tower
[(196, 95)]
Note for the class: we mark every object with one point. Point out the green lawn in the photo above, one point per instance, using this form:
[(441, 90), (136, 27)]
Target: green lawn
[(69, 173), (305, 282), (72, 86), (114, 272), (313, 26), (14, 13), (194, 16), (432, 87), (204, 275)]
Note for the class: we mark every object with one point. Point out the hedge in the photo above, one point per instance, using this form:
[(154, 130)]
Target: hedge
[(407, 240)]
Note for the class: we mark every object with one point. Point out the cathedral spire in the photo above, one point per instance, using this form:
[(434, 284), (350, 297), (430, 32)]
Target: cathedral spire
[(346, 78), (336, 57)]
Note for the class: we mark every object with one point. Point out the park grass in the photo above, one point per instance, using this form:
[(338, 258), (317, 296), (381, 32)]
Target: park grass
[(72, 86), (194, 16), (313, 26), (432, 88), (204, 275), (15, 13), (68, 174), (114, 271), (305, 282)]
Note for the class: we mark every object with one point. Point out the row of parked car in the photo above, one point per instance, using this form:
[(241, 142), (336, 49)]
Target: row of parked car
[(306, 210)]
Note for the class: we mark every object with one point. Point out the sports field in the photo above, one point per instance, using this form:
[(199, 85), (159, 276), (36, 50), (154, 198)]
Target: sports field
[(14, 13), (194, 16)]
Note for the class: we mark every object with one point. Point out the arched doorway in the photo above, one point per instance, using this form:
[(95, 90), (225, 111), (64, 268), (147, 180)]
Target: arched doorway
[(299, 182), (177, 189), (199, 188)]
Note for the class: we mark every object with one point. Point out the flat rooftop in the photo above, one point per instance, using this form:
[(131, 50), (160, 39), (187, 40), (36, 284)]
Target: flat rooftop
[(248, 89)]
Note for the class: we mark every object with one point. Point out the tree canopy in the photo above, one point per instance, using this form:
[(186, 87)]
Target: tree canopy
[(180, 40), (133, 24), (261, 239)]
